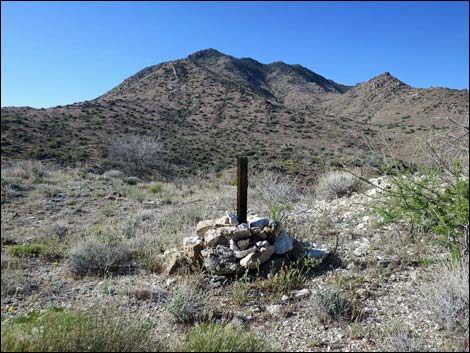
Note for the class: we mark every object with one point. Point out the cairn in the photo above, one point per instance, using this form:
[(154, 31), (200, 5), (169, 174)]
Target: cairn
[(225, 247)]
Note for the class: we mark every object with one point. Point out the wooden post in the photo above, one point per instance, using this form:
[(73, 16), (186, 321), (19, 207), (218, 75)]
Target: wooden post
[(242, 189)]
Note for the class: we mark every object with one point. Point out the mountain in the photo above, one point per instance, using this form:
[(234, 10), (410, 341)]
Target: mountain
[(209, 107)]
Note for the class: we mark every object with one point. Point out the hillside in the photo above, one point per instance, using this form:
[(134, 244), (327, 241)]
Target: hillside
[(210, 106)]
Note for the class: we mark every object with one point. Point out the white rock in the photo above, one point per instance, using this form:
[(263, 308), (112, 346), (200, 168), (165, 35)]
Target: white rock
[(222, 221), (316, 253), (243, 226), (233, 219), (283, 243), (259, 222), (275, 310), (363, 247), (214, 237), (299, 294), (203, 226), (239, 254), (256, 258)]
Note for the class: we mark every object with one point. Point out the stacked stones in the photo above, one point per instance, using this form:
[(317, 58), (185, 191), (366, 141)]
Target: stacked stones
[(226, 247)]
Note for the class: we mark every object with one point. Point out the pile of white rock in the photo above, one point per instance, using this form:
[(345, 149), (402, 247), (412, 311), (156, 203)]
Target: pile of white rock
[(225, 247)]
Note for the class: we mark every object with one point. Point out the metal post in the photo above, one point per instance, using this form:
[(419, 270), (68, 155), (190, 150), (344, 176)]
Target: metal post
[(242, 189)]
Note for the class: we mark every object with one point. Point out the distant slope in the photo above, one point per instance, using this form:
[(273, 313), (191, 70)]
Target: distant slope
[(211, 106)]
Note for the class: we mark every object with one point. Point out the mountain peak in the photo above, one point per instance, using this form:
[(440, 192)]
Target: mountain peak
[(206, 53), (386, 79)]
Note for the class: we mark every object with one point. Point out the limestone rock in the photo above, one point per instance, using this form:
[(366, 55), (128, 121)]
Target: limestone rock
[(239, 254), (192, 247), (222, 221), (259, 222), (275, 310), (262, 254), (214, 237), (284, 243), (221, 261), (172, 262), (233, 219), (203, 226)]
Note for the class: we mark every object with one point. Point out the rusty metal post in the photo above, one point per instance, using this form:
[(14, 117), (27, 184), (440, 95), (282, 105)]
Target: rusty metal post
[(242, 189)]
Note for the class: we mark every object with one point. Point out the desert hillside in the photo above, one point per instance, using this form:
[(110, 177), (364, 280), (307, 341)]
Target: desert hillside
[(210, 107)]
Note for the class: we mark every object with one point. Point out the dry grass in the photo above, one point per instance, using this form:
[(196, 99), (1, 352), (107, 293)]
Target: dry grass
[(446, 295), (335, 184)]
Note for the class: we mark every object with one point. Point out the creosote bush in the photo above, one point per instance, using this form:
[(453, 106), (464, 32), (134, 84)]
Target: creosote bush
[(335, 184), (217, 338), (98, 330)]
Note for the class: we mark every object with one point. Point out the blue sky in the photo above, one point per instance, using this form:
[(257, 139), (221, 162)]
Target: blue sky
[(56, 53)]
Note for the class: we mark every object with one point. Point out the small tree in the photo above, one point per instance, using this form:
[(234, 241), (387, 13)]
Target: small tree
[(136, 154)]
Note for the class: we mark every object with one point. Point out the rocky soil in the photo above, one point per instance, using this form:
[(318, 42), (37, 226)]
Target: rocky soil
[(380, 268)]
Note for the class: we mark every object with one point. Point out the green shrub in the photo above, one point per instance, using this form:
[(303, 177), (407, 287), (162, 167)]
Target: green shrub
[(217, 338), (97, 330), (156, 188), (27, 250), (336, 184), (432, 202)]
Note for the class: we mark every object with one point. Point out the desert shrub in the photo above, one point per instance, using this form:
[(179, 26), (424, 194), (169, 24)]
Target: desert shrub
[(34, 171), (336, 184), (57, 230), (98, 330), (187, 304), (436, 197), (398, 339), (113, 173), (136, 155), (14, 281), (276, 192), (132, 180), (275, 189), (446, 295), (331, 305), (289, 277), (217, 338), (427, 201), (99, 254)]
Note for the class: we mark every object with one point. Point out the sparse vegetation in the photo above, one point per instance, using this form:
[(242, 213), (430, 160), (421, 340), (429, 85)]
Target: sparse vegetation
[(98, 330), (446, 296), (435, 198), (216, 338)]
